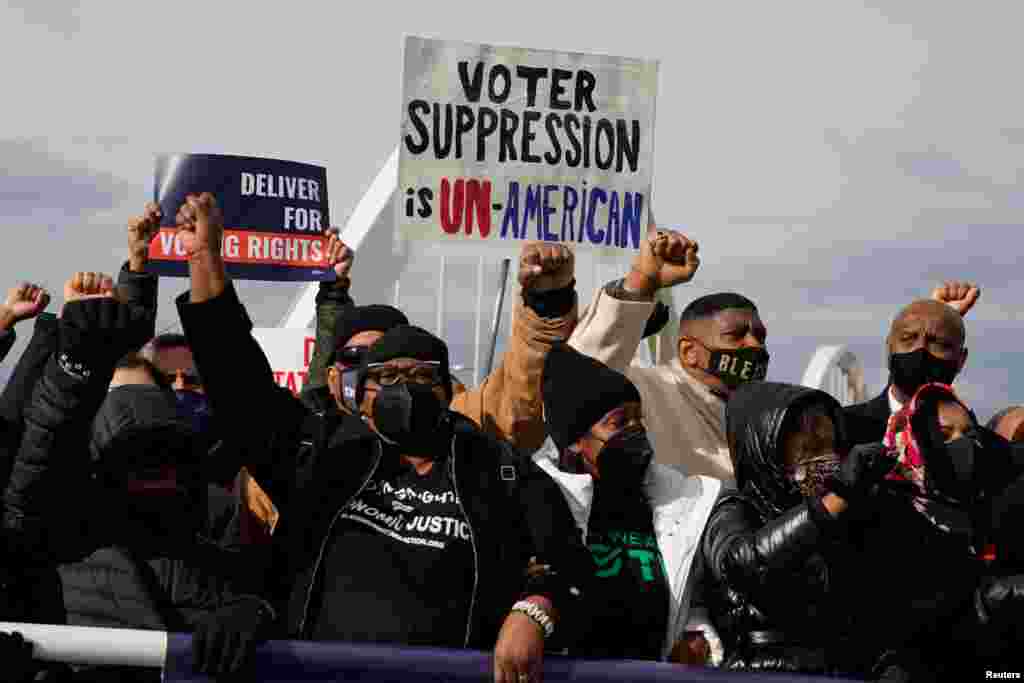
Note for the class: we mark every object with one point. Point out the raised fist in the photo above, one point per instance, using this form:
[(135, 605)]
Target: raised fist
[(200, 224), (666, 259), (24, 302), (141, 231), (544, 267), (86, 285), (961, 296), (339, 255)]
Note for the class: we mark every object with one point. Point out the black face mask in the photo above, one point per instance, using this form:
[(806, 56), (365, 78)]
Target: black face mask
[(954, 473), (194, 409), (624, 458), (739, 366), (408, 415), (910, 371)]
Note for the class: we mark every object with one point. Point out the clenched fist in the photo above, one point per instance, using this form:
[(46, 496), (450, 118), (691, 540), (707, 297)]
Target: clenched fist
[(544, 267), (339, 256), (666, 259), (200, 224), (141, 231), (23, 302), (961, 296), (88, 285)]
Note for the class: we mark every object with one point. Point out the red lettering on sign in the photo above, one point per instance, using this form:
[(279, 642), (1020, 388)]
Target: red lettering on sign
[(307, 351)]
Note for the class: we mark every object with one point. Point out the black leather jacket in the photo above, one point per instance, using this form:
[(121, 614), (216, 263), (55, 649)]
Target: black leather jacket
[(770, 553)]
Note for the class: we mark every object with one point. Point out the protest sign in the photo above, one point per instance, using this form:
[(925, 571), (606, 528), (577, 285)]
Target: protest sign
[(289, 352), (275, 215), (506, 144)]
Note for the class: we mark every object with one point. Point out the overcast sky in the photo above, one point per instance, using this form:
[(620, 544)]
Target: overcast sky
[(834, 160)]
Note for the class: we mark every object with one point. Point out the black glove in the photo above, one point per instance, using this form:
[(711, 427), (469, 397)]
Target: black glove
[(16, 658), (861, 472), (1002, 598), (224, 642)]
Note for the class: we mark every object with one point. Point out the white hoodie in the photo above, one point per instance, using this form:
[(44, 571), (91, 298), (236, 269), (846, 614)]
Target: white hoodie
[(681, 506)]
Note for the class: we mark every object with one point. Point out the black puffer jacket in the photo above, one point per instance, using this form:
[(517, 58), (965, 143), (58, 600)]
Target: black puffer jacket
[(56, 512), (770, 553), (313, 463)]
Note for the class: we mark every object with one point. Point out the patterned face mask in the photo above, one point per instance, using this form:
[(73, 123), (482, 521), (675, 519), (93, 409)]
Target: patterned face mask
[(812, 475)]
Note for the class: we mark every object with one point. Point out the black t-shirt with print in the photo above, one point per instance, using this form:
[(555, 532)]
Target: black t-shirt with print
[(399, 567), (630, 602)]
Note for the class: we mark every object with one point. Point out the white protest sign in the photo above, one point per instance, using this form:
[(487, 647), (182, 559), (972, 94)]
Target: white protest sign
[(502, 144), (289, 352)]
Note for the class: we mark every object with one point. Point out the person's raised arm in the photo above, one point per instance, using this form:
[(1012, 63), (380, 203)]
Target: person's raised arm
[(331, 300), (611, 328), (256, 417), (95, 331), (960, 296), (507, 404), (134, 283), (23, 302)]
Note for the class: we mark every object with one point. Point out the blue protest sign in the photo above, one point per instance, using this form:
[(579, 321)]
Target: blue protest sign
[(275, 215)]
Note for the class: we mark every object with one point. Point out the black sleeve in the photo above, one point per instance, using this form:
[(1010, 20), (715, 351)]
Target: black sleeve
[(554, 303), (259, 422), (747, 555), (331, 300), (139, 288), (52, 463), (552, 537), (19, 388), (7, 339)]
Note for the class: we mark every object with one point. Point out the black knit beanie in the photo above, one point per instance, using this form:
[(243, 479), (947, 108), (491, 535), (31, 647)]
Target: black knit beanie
[(355, 319), (409, 341), (578, 391)]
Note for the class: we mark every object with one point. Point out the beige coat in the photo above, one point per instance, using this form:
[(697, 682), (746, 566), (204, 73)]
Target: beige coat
[(685, 421), (508, 404)]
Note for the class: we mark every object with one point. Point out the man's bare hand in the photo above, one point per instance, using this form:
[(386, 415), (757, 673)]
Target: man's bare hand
[(88, 285), (339, 256), (519, 653), (666, 259), (141, 231), (23, 302), (961, 296), (201, 225), (545, 267)]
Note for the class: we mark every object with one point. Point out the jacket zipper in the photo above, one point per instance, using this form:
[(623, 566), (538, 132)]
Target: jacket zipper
[(472, 544), (327, 538)]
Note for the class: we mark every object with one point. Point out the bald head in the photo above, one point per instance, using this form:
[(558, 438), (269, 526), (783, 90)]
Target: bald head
[(1009, 423), (938, 331), (934, 315)]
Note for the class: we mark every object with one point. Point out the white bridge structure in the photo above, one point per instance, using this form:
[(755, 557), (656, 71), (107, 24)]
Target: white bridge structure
[(369, 230)]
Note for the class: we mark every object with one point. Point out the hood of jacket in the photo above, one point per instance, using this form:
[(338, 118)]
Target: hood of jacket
[(138, 427), (755, 417)]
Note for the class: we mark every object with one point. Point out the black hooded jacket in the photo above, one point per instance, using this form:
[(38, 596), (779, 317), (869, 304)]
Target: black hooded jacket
[(55, 511), (770, 552), (312, 463)]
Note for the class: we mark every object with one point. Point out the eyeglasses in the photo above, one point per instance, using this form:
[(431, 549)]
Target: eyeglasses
[(427, 373), (351, 355)]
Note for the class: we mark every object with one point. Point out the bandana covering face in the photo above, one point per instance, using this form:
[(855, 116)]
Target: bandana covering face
[(907, 448), (812, 475)]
